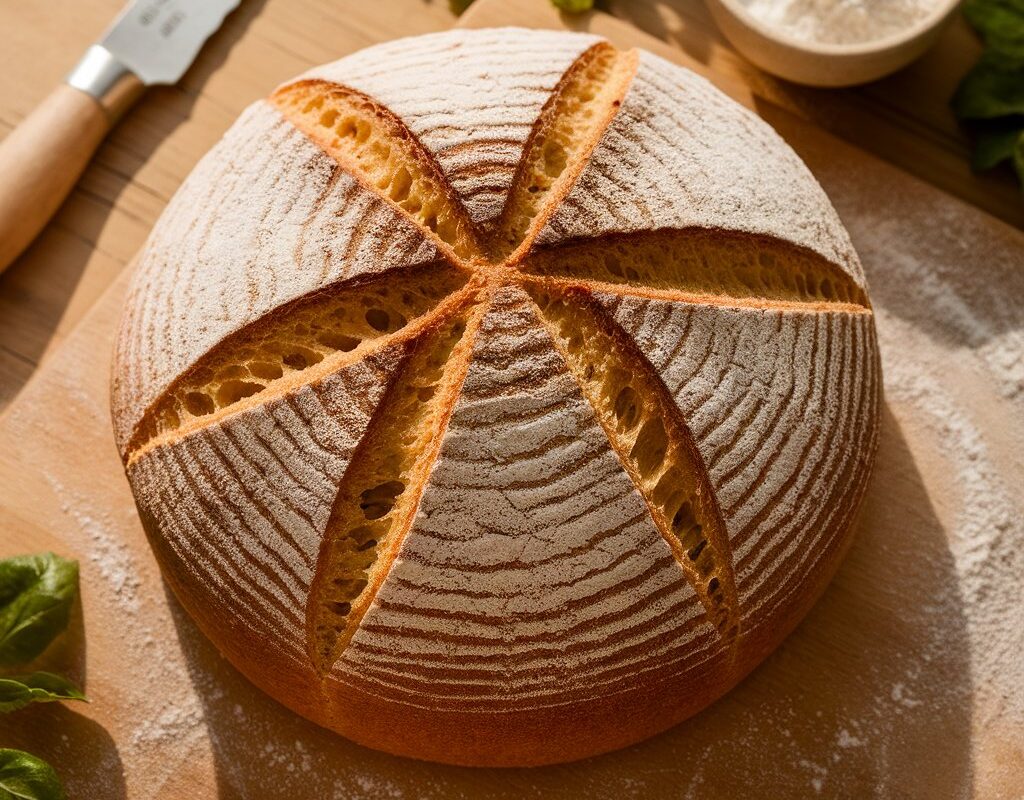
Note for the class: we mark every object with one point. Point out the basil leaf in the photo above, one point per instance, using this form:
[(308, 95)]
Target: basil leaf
[(999, 22), (25, 777), (996, 144), (993, 88), (36, 593), (39, 687)]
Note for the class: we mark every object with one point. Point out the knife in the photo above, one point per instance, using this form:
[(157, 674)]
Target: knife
[(151, 42)]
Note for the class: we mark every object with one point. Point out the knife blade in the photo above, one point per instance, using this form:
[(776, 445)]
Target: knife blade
[(158, 39), (151, 42)]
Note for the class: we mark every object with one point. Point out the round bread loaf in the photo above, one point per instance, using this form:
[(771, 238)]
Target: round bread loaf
[(498, 397)]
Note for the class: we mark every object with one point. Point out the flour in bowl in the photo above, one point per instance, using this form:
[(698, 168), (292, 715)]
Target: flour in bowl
[(840, 21)]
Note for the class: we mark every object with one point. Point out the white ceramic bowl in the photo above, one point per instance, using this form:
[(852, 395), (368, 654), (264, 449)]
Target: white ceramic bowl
[(817, 64)]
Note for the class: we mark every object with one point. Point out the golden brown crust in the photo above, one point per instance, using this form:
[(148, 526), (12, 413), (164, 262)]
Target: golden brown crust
[(451, 522), (375, 146), (567, 130), (397, 453), (654, 444)]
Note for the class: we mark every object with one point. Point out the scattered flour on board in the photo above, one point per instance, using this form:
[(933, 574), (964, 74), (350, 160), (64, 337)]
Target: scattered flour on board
[(109, 557), (818, 774), (987, 539), (846, 740), (1004, 355), (166, 711)]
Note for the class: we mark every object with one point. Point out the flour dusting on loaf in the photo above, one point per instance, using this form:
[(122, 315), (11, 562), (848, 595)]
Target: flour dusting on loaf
[(680, 154), (264, 218), (778, 405), (497, 397), (274, 472), (532, 570), (470, 100)]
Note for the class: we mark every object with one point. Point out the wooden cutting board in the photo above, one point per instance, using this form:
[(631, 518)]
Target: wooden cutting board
[(896, 685)]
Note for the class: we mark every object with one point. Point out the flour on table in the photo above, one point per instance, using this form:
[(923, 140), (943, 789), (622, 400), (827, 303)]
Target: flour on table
[(170, 715), (846, 740), (985, 540), (109, 557)]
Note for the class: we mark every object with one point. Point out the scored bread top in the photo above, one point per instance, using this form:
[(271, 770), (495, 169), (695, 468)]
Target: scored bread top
[(681, 154), (267, 217), (470, 100), (264, 218), (626, 380), (285, 458), (763, 393), (516, 529)]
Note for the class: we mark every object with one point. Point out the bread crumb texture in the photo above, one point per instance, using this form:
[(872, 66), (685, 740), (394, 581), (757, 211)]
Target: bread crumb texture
[(488, 374)]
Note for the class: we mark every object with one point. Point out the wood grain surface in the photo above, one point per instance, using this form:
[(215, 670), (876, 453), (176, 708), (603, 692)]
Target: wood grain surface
[(878, 693)]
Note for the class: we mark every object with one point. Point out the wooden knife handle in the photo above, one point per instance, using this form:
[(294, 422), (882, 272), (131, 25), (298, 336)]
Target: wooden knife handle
[(41, 159)]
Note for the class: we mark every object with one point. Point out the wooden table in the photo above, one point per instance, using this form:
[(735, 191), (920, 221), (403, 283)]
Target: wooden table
[(867, 697), (904, 118)]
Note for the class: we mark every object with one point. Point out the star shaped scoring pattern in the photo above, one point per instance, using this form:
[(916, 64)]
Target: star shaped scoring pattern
[(612, 311)]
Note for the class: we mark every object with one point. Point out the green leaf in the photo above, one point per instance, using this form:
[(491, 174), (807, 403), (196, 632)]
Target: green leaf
[(996, 143), (573, 6), (993, 88), (999, 22), (39, 687), (25, 777), (990, 98), (36, 593)]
